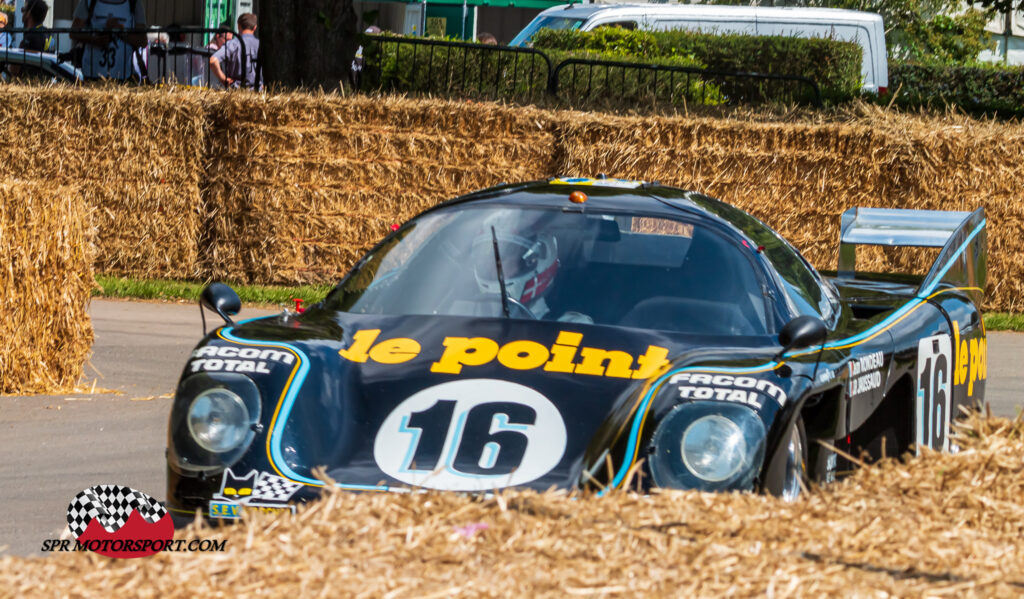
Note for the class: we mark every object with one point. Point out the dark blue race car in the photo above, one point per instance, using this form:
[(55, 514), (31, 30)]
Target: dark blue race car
[(585, 333)]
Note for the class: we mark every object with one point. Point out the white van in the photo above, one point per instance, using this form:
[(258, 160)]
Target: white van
[(862, 27)]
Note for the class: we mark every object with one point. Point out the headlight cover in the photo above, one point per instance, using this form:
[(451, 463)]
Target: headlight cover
[(213, 421), (709, 446), (218, 420)]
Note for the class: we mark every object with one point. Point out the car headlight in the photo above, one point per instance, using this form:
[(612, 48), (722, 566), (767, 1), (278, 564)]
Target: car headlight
[(713, 448), (214, 420), (218, 420), (710, 446)]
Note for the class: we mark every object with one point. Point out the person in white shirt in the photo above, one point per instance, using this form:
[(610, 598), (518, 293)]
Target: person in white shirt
[(109, 55)]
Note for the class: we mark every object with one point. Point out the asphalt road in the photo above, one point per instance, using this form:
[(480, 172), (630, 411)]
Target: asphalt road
[(52, 447)]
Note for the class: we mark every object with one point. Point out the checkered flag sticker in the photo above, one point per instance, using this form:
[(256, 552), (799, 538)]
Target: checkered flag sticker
[(113, 505), (274, 488)]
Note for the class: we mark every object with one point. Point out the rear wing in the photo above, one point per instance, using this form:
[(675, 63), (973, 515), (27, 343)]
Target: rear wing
[(961, 235)]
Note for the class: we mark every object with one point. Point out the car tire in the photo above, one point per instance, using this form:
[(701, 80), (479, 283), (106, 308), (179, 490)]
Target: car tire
[(794, 482)]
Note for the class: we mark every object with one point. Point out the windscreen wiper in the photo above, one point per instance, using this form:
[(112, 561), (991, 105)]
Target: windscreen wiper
[(501, 275)]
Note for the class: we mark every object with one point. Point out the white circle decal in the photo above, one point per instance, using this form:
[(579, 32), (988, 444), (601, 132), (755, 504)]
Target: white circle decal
[(471, 435)]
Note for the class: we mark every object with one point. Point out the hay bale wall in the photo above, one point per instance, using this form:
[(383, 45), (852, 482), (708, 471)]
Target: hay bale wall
[(45, 280), (301, 186), (136, 156), (294, 188)]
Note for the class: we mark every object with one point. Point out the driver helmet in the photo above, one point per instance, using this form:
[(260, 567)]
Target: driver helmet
[(528, 262)]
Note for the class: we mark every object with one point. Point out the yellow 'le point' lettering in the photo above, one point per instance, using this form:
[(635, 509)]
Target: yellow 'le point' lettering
[(464, 351), (974, 367), (651, 362), (983, 359), (620, 363), (961, 363), (361, 342), (522, 355), (957, 379), (563, 352), (395, 351)]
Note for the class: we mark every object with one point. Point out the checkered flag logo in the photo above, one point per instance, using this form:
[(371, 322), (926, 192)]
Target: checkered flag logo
[(274, 488), (112, 505)]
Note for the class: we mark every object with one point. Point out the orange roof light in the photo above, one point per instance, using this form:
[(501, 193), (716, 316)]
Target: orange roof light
[(577, 197)]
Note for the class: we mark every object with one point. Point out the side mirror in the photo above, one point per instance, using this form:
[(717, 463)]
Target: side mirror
[(222, 299), (802, 331)]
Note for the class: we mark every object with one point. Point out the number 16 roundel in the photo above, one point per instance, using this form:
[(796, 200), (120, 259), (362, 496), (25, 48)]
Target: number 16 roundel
[(471, 435), (934, 393)]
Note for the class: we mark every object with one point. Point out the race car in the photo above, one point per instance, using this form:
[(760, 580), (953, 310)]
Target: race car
[(591, 334)]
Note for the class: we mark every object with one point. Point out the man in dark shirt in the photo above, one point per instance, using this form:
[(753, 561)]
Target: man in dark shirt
[(232, 65), (33, 13)]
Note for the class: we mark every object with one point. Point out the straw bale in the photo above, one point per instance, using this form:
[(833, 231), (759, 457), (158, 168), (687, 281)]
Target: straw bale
[(310, 160), (301, 185), (45, 247), (138, 157), (293, 187), (293, 235), (150, 231), (938, 525)]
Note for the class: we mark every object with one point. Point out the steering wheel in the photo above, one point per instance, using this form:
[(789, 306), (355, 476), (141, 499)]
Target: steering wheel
[(516, 309), (515, 305)]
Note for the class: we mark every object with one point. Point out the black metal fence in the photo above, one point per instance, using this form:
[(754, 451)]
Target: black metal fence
[(181, 55), (414, 65), (451, 68), (159, 55), (586, 81)]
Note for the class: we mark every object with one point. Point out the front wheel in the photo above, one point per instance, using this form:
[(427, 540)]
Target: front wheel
[(794, 480)]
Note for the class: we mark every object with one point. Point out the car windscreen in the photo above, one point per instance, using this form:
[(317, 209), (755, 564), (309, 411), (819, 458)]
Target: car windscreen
[(550, 22), (610, 269)]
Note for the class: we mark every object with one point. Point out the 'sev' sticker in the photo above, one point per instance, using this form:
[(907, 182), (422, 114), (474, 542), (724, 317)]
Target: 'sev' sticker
[(471, 435), (255, 491), (934, 393)]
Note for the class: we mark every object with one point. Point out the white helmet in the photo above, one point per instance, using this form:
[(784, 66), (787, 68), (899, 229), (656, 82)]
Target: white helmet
[(528, 264)]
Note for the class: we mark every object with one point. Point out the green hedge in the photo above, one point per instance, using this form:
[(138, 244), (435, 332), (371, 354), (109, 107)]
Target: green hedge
[(596, 85), (993, 90), (834, 65), (485, 71)]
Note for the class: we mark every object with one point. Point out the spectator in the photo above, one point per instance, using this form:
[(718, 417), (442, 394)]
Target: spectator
[(109, 54), (357, 62), (156, 51), (33, 13), (237, 62), (5, 38), (222, 37), (486, 38)]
